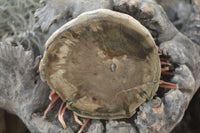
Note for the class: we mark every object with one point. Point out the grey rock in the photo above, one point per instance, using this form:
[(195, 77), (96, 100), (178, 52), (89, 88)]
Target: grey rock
[(191, 27), (119, 127), (177, 11), (22, 91), (159, 115), (185, 80), (55, 10), (96, 127), (180, 49), (175, 103), (150, 118)]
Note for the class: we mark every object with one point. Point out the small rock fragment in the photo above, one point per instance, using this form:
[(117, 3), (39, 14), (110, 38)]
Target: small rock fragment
[(96, 127), (119, 127)]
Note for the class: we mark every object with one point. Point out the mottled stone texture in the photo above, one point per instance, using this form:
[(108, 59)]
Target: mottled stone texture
[(191, 27), (55, 10), (119, 127), (96, 127), (22, 91), (24, 94)]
